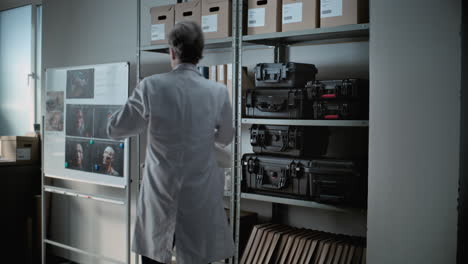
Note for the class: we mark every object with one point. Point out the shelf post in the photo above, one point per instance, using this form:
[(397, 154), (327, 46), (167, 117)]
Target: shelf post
[(280, 53), (237, 22)]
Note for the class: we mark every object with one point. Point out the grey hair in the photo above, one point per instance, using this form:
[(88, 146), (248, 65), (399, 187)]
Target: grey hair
[(187, 42)]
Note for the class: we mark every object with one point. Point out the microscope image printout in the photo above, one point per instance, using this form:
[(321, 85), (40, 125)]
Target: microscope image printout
[(80, 83), (78, 154), (108, 158), (54, 111), (79, 121)]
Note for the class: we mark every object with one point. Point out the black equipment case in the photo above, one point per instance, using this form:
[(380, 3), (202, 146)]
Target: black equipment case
[(340, 182), (289, 140), (340, 110), (278, 103), (291, 75), (339, 89), (276, 175)]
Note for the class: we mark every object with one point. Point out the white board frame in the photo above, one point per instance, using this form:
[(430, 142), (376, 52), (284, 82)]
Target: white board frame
[(54, 141)]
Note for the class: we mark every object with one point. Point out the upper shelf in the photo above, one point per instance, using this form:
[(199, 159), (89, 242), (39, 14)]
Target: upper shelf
[(209, 44), (347, 32)]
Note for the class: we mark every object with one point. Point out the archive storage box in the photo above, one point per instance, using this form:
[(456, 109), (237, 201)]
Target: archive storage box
[(343, 12), (300, 15), (216, 19), (264, 16), (188, 11), (21, 150), (162, 22)]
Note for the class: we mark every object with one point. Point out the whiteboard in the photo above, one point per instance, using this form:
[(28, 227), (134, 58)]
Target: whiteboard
[(78, 102)]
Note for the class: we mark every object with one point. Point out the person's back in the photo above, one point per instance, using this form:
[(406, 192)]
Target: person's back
[(184, 115), (182, 189)]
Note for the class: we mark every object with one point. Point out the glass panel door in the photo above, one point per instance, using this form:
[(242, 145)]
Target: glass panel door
[(17, 97)]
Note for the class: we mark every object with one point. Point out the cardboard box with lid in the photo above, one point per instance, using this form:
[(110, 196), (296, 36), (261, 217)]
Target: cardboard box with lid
[(162, 22), (264, 16), (20, 150), (216, 19), (188, 11), (300, 15), (343, 12)]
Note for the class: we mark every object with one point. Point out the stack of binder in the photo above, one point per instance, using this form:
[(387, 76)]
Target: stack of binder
[(280, 244)]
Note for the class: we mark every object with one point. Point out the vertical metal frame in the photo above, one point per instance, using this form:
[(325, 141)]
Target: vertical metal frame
[(43, 199), (138, 140), (233, 201), (237, 78), (126, 202)]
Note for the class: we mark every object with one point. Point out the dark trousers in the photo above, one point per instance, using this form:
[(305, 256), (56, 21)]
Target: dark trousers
[(146, 260)]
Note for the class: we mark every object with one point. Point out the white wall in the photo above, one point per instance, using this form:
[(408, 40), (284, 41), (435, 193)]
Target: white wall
[(415, 72)]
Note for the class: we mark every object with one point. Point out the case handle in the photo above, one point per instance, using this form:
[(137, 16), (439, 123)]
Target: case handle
[(270, 75), (267, 107)]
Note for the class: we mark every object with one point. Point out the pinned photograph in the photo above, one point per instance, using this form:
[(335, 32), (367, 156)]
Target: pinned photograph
[(108, 158), (54, 121), (79, 120), (54, 111), (78, 154), (80, 84), (102, 115)]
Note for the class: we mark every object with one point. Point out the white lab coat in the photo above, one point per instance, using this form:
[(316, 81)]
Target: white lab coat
[(182, 188)]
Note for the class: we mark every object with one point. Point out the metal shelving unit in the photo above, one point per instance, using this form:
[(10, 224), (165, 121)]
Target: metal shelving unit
[(294, 122), (280, 41)]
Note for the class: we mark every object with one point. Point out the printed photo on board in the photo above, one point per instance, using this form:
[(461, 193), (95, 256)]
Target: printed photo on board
[(80, 83), (101, 117), (54, 111), (108, 158), (78, 154), (79, 120), (54, 121)]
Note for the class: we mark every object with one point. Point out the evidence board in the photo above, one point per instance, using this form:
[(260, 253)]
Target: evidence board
[(79, 101)]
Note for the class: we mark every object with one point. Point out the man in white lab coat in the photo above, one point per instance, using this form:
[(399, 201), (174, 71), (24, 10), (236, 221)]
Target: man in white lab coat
[(181, 195)]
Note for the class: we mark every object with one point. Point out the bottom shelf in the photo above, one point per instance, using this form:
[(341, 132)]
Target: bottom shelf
[(295, 202)]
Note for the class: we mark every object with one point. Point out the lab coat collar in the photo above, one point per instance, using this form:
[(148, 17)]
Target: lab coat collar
[(187, 66)]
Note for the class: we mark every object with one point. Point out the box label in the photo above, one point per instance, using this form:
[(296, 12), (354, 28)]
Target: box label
[(210, 23), (256, 17), (331, 8), (229, 72), (292, 13), (158, 32), (23, 154), (221, 73)]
